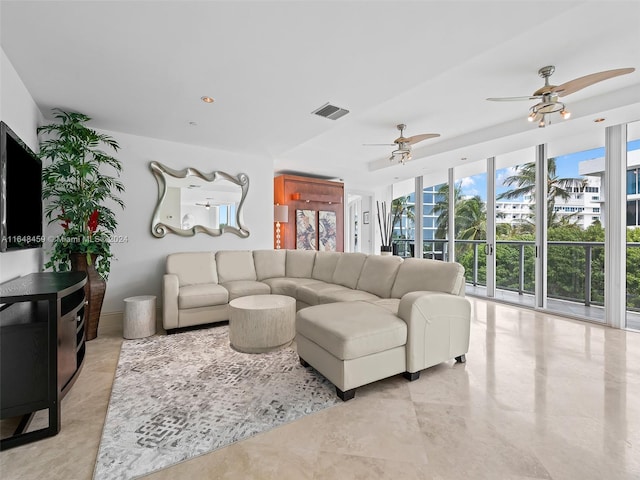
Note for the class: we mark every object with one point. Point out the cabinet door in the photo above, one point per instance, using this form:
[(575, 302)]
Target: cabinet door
[(66, 349), (23, 369)]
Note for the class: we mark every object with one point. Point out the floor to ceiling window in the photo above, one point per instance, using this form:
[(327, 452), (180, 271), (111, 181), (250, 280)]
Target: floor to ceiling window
[(633, 227), (470, 216), (576, 228), (403, 221), (573, 244), (432, 200), (515, 227)]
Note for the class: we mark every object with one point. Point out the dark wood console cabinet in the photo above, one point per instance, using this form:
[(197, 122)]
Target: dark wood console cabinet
[(41, 348)]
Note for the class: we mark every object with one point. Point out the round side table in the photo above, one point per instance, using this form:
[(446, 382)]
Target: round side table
[(260, 323), (139, 316)]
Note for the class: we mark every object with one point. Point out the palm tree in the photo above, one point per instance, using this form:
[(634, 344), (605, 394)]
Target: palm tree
[(400, 206), (557, 188), (442, 207), (470, 214), (471, 219)]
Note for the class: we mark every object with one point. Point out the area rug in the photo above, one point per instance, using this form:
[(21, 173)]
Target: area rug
[(175, 397)]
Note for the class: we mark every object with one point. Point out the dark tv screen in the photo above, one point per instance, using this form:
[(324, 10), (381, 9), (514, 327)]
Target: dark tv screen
[(21, 195)]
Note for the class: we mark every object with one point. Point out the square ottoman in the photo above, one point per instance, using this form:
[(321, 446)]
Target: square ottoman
[(351, 343)]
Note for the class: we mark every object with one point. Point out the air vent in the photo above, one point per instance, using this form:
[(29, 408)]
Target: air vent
[(330, 111)]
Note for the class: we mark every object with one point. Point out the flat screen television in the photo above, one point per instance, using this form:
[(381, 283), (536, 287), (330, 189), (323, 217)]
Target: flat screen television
[(21, 217)]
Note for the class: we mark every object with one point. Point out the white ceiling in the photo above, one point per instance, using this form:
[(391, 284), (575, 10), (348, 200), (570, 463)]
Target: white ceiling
[(140, 67)]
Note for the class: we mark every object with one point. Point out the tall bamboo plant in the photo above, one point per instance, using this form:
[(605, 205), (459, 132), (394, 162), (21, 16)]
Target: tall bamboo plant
[(384, 223), (76, 187)]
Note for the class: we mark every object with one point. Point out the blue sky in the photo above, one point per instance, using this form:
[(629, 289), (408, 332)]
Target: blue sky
[(566, 167)]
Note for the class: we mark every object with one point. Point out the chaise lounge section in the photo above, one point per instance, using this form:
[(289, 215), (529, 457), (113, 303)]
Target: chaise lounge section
[(361, 318)]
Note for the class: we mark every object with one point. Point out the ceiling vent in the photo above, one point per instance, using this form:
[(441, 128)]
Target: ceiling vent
[(330, 111)]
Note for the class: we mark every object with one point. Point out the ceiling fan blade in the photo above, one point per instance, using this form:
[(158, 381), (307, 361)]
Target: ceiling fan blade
[(514, 99), (582, 82), (378, 144), (418, 138)]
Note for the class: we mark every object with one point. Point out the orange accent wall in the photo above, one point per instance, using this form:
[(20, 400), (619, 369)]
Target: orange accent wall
[(304, 193)]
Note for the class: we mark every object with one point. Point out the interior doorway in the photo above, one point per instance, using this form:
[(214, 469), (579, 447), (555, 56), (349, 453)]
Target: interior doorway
[(358, 223)]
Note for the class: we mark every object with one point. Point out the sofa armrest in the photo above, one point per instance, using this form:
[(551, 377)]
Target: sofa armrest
[(437, 327), (170, 288)]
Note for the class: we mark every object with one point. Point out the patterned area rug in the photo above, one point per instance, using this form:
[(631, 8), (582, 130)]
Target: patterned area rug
[(179, 396)]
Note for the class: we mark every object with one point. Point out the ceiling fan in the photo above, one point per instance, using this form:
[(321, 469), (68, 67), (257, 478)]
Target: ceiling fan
[(549, 94), (205, 205), (403, 151)]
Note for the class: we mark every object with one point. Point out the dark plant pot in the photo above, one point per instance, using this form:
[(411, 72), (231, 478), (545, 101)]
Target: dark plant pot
[(94, 291), (386, 250)]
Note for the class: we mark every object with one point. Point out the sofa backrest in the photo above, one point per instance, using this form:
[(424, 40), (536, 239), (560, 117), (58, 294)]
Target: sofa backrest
[(348, 269), (325, 265), (299, 263), (378, 274), (235, 265), (417, 274), (269, 263), (193, 268)]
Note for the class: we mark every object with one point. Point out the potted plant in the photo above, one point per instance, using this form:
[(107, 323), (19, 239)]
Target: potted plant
[(76, 188)]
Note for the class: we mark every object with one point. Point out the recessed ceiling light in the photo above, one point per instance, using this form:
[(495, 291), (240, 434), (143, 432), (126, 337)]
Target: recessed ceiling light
[(206, 99), (598, 120)]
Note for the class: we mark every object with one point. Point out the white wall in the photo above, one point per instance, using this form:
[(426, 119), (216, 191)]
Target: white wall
[(20, 113), (140, 260)]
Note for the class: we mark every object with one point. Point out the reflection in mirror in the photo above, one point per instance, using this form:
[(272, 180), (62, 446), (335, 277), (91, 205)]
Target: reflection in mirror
[(190, 201)]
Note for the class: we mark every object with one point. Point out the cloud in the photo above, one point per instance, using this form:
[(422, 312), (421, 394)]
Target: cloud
[(467, 182), (503, 174)]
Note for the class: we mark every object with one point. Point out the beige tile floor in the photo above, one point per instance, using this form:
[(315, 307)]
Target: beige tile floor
[(540, 397)]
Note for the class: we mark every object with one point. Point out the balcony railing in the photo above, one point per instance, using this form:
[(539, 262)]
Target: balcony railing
[(576, 275)]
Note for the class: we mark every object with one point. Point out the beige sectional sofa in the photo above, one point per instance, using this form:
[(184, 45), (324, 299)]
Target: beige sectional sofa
[(360, 317)]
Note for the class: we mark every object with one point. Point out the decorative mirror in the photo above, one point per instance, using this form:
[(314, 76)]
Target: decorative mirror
[(190, 201)]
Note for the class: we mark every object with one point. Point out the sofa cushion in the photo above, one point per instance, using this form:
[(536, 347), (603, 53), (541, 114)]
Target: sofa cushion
[(193, 268), (391, 304), (202, 295), (235, 265), (346, 295), (325, 265), (287, 286), (348, 269), (269, 263), (351, 329), (299, 263), (378, 274), (242, 288), (310, 293), (418, 274)]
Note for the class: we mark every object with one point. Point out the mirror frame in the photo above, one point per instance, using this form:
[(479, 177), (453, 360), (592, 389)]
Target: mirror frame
[(159, 229)]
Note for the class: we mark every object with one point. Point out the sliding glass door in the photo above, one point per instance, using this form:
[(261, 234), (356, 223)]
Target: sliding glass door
[(515, 203), (576, 228), (633, 227)]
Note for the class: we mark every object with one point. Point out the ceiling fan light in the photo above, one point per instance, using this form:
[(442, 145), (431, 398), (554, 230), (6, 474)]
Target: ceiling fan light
[(565, 114), (531, 117)]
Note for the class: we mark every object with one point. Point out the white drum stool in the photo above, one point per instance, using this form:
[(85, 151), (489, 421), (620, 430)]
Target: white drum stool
[(139, 316)]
